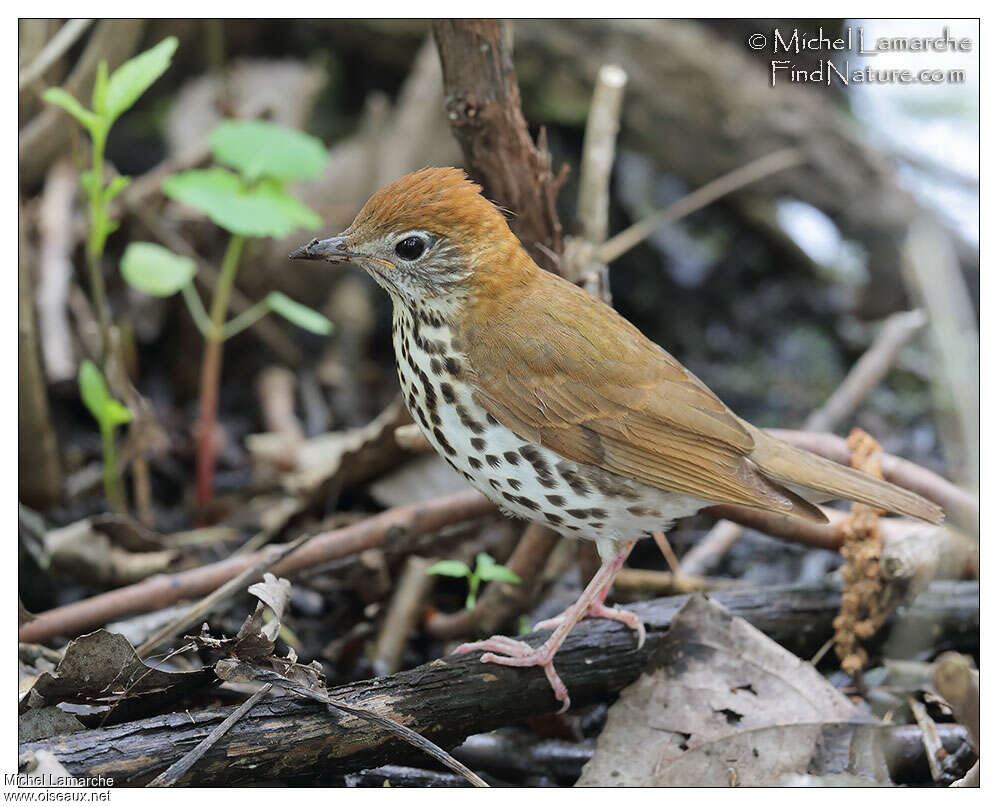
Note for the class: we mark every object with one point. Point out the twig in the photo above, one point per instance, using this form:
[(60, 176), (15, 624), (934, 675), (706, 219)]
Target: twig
[(402, 616), (55, 270), (172, 775), (163, 590), (728, 183), (959, 685), (664, 546), (413, 738), (665, 584), (271, 556), (599, 143), (898, 330), (53, 50), (933, 274), (931, 738), (707, 553)]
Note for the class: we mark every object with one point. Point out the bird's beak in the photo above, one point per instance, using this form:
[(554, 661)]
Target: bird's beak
[(329, 249)]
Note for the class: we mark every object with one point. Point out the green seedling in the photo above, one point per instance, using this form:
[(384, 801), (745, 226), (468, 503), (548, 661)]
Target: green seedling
[(109, 414), (112, 96), (485, 569), (250, 202)]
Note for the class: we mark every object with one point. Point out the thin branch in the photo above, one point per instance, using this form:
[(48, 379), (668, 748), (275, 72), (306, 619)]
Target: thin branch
[(172, 775), (898, 330), (413, 738), (53, 50), (270, 557), (729, 183), (163, 590)]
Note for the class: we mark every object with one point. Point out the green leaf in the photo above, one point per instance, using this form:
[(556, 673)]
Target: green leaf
[(156, 270), (93, 390), (136, 76), (260, 149), (116, 186), (298, 314), (115, 414), (450, 568), (264, 210), (489, 569), (59, 97)]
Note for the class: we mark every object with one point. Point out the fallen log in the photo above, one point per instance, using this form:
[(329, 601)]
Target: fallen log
[(287, 738)]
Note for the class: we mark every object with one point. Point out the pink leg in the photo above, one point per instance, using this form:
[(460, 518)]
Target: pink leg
[(520, 654)]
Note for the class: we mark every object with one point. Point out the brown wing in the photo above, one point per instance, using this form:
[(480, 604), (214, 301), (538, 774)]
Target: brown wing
[(557, 367)]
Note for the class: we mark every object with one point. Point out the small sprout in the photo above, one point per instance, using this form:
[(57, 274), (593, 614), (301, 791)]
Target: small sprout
[(109, 414), (485, 569), (249, 202), (112, 96)]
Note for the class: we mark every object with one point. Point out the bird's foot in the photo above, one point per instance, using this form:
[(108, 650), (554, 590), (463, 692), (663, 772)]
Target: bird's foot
[(597, 610), (516, 653)]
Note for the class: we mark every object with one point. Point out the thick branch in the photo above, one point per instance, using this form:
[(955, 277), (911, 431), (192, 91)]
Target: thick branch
[(452, 698), (482, 101)]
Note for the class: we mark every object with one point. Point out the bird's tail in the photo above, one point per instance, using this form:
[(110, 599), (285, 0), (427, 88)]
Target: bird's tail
[(798, 469)]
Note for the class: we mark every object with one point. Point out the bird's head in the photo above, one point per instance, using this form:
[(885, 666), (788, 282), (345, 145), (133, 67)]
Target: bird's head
[(428, 236)]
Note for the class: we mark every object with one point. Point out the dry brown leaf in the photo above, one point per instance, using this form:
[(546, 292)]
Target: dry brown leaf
[(721, 704)]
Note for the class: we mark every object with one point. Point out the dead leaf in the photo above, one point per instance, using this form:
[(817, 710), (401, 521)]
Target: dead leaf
[(328, 462), (101, 668), (37, 724), (422, 478), (83, 552), (721, 704)]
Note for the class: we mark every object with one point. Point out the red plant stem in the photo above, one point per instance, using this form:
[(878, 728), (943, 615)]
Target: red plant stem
[(211, 371)]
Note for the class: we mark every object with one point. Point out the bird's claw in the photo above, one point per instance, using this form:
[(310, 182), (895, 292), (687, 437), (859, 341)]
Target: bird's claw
[(516, 653)]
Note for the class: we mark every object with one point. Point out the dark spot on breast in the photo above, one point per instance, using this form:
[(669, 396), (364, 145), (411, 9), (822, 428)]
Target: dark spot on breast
[(553, 519), (597, 512), (468, 476), (491, 420), (574, 480), (578, 512), (468, 421), (513, 483), (478, 443), (435, 366), (496, 485), (453, 366), (641, 510), (447, 392), (523, 501), (475, 462), (512, 457), (428, 390), (448, 448), (493, 460), (435, 418), (596, 524), (558, 501)]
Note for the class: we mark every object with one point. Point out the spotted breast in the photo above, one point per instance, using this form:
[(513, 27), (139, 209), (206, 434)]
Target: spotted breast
[(525, 479)]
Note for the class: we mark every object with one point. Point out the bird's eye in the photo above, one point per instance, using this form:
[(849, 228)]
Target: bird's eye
[(410, 248)]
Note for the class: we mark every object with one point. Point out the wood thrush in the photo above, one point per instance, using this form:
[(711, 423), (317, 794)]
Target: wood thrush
[(556, 407)]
